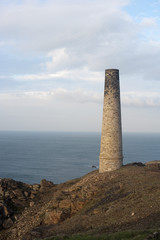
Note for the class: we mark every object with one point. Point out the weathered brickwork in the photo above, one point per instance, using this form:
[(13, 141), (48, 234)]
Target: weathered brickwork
[(111, 138)]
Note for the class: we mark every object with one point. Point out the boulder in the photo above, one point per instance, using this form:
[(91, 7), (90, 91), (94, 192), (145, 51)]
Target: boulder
[(7, 223), (66, 204), (31, 204), (6, 212), (55, 216), (45, 185), (77, 205), (36, 187)]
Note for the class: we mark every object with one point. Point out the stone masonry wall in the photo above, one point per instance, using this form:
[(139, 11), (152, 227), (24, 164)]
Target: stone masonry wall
[(111, 136)]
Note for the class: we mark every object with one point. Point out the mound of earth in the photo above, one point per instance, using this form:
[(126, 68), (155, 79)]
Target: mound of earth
[(125, 199)]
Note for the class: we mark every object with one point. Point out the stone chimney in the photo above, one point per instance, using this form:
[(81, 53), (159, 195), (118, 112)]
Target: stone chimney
[(111, 137)]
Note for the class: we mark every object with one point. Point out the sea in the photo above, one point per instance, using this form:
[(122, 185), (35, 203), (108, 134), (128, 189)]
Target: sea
[(61, 156)]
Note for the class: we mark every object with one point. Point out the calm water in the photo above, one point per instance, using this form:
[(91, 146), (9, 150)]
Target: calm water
[(31, 156)]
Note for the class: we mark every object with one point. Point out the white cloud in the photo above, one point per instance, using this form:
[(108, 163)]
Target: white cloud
[(62, 95), (148, 22), (78, 95), (83, 74), (128, 99), (57, 110), (76, 110), (93, 35), (37, 77), (141, 99), (60, 59), (50, 25)]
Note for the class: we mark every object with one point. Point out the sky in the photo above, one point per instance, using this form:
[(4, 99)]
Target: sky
[(53, 55)]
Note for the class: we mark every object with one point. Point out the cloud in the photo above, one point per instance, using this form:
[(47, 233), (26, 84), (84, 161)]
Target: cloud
[(56, 110), (62, 95), (78, 40), (59, 59), (37, 77), (148, 22), (75, 110), (83, 74), (77, 95), (47, 26), (128, 99), (141, 99), (63, 58)]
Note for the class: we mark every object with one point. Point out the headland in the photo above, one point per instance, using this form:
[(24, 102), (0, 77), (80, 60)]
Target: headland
[(97, 203)]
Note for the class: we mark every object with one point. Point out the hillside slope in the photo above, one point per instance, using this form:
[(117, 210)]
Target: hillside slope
[(125, 199)]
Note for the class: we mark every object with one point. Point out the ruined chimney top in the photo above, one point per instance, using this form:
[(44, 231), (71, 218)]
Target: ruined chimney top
[(112, 70)]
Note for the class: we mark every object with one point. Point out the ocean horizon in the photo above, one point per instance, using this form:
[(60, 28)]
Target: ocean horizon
[(30, 156)]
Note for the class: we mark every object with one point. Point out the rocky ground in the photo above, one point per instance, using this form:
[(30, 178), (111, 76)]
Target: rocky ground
[(126, 199)]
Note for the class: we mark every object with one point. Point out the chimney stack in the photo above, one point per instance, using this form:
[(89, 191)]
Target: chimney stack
[(111, 156)]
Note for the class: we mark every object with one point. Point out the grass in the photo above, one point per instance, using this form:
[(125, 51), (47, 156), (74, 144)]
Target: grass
[(131, 235)]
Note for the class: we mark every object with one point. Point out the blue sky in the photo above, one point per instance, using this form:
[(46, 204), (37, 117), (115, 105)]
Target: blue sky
[(53, 55)]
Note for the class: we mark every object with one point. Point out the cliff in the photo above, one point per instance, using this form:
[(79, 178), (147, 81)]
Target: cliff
[(125, 199)]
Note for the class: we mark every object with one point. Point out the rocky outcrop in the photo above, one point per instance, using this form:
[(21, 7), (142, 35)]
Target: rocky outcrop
[(65, 205), (15, 197), (56, 216)]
